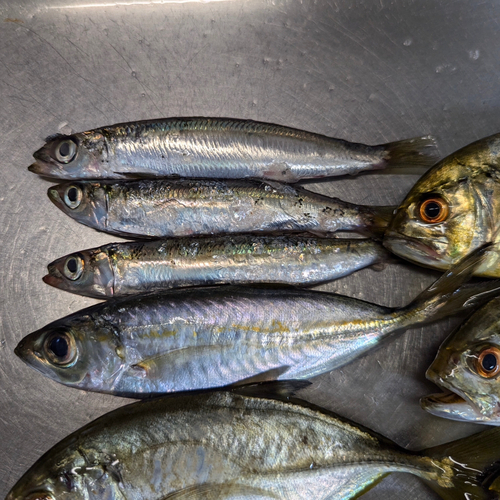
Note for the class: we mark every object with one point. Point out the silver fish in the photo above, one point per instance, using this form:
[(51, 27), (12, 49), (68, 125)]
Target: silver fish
[(468, 365), (211, 337), (202, 207), (236, 446), (121, 269), (218, 148)]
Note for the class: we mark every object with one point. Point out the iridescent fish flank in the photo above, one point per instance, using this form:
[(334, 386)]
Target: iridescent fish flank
[(235, 446), (121, 269), (164, 208), (212, 337), (218, 148), (468, 365), (452, 210)]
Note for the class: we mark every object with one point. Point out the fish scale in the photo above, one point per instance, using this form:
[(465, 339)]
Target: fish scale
[(219, 148), (235, 445), (172, 341)]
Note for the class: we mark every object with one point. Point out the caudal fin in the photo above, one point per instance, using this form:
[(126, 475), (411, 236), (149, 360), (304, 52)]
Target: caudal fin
[(410, 156), (378, 219), (451, 294), (469, 468)]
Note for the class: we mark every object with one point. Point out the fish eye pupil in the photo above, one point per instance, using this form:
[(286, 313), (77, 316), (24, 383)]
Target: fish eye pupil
[(72, 194), (59, 346), (432, 210), (64, 149), (489, 362), (72, 265)]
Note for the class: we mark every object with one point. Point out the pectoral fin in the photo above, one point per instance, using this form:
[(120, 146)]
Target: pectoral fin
[(214, 491)]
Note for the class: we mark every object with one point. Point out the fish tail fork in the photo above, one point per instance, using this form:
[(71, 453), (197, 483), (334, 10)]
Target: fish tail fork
[(468, 468), (451, 294)]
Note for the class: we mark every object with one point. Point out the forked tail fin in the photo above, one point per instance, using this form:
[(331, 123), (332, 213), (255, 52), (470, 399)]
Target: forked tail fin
[(410, 156), (451, 294), (469, 467)]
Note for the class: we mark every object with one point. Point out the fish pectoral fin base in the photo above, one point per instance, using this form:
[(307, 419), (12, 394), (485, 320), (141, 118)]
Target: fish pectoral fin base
[(224, 491)]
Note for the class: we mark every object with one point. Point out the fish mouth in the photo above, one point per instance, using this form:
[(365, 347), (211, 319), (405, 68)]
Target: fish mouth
[(450, 405), (52, 280), (409, 247)]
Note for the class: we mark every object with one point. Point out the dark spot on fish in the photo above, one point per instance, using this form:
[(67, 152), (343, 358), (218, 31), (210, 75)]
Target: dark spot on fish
[(326, 210), (305, 440)]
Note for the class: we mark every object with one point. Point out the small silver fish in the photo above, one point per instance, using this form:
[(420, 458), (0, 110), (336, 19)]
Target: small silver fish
[(211, 337), (468, 365), (121, 269), (236, 446), (218, 148), (164, 208)]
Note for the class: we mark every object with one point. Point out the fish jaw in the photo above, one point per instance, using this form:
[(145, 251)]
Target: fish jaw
[(453, 407), (415, 250)]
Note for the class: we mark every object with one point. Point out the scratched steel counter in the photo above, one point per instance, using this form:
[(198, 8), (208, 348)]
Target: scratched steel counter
[(367, 71)]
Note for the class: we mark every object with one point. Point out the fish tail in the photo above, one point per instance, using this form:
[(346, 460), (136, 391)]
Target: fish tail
[(378, 219), (410, 155), (451, 294), (468, 468)]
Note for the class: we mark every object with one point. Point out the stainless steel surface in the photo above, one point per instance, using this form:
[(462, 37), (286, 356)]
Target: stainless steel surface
[(367, 71)]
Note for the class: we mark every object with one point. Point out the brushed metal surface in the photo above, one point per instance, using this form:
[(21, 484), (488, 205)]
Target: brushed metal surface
[(368, 71)]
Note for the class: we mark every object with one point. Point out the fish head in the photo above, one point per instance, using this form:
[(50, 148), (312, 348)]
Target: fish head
[(53, 477), (88, 273), (450, 211), (84, 201), (80, 351), (468, 365), (78, 156)]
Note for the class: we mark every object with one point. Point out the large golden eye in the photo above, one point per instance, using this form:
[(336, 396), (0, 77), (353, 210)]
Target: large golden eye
[(433, 210), (65, 150), (60, 348), (488, 362)]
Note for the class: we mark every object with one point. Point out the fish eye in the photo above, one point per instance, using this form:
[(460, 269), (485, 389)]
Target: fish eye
[(433, 210), (73, 197), (488, 362), (73, 267), (65, 151), (60, 348)]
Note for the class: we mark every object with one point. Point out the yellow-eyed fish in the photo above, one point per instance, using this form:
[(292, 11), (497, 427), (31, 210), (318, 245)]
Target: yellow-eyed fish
[(453, 209), (467, 368)]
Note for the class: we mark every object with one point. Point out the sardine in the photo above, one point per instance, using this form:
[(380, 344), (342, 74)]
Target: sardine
[(468, 365), (211, 337), (234, 445), (218, 148), (121, 269), (453, 209), (188, 207)]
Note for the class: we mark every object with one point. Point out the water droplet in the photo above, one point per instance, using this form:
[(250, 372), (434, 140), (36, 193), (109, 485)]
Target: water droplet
[(265, 60), (134, 74), (2, 343), (407, 42), (331, 88), (474, 54), (143, 94)]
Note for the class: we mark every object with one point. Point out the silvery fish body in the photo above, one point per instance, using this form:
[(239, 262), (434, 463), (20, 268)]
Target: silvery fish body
[(166, 208), (235, 446), (129, 268), (468, 365), (211, 337), (217, 148)]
